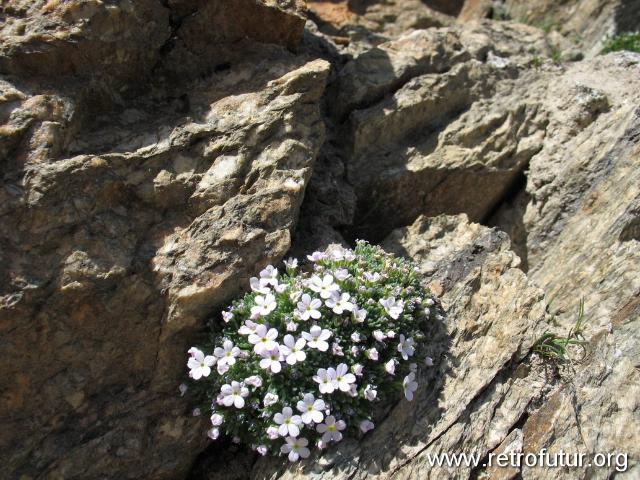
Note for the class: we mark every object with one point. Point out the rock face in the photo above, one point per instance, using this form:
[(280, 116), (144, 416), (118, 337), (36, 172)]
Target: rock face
[(124, 228), (155, 154)]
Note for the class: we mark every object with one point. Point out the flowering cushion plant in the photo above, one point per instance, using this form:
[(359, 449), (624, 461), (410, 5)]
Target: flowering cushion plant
[(302, 359)]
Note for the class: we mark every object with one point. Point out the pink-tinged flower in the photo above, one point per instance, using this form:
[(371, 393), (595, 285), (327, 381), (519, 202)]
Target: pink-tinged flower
[(271, 360), (200, 365), (355, 337), (223, 368), (344, 379), (263, 340), (359, 314), (262, 450), (227, 354), (308, 307), (234, 394), (336, 349), (264, 305), (289, 423), (227, 316), (370, 393), (366, 425), (349, 256), (372, 277), (213, 433), (295, 448), (326, 380), (316, 256), (196, 412), (335, 252), (325, 286), (355, 350), (372, 354), (217, 419), (253, 380), (391, 334), (270, 399), (272, 432), (292, 326), (259, 285), (292, 350), (379, 335), (248, 328), (311, 409), (357, 369), (390, 367), (330, 429), (406, 347), (341, 274), (339, 303), (409, 385), (392, 307), (317, 338), (269, 275)]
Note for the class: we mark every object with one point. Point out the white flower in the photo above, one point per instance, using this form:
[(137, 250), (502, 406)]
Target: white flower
[(263, 339), (406, 347), (264, 305), (353, 390), (371, 277), (280, 288), (296, 448), (253, 380), (317, 338), (355, 337), (196, 412), (308, 307), (295, 295), (291, 263), (378, 335), (372, 354), (216, 419), (439, 317), (292, 349), (259, 285), (200, 364), (272, 432), (335, 252), (393, 308), (311, 408), (324, 286), (292, 326), (343, 378), (270, 399), (427, 311), (316, 256), (262, 450), (366, 425), (192, 351), (289, 423), (330, 429), (390, 366), (391, 334), (234, 394), (410, 385), (248, 328), (269, 275), (326, 379), (349, 256), (271, 360), (354, 350), (429, 302), (183, 389), (428, 361), (359, 314), (370, 393), (413, 367), (213, 433), (336, 349), (339, 303), (227, 354), (341, 274), (357, 369), (227, 316)]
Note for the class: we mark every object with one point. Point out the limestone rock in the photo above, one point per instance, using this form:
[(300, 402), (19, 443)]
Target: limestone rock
[(118, 244)]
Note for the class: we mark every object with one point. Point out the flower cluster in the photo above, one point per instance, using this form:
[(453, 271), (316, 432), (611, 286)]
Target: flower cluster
[(308, 353)]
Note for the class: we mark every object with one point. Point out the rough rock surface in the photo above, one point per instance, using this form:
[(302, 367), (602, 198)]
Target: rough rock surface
[(126, 224), (479, 387)]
